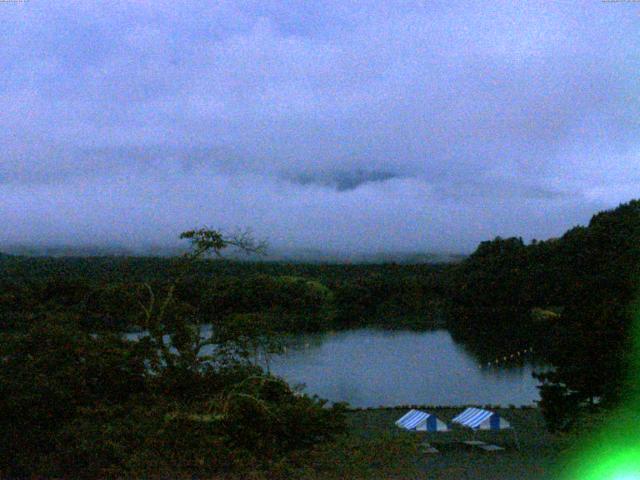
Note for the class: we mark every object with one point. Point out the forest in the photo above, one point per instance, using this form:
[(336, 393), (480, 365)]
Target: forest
[(104, 292), (68, 377)]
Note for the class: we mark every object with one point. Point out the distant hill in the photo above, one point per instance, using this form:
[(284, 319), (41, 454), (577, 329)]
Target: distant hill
[(585, 282), (588, 265), (65, 251), (323, 256), (273, 254)]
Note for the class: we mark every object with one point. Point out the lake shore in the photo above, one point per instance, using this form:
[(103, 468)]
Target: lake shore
[(376, 448)]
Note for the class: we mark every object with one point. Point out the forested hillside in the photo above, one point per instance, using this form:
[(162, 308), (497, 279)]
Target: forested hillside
[(104, 292), (571, 297)]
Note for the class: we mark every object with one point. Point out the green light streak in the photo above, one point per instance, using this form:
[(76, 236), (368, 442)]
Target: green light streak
[(620, 465), (613, 453)]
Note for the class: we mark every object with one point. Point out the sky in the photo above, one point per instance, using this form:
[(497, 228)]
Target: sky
[(355, 126)]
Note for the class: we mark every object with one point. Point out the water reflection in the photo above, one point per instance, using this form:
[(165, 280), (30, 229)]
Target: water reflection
[(368, 368), (371, 367)]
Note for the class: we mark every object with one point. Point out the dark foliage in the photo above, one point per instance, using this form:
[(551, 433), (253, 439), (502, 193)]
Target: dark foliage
[(581, 287), (105, 292), (77, 404)]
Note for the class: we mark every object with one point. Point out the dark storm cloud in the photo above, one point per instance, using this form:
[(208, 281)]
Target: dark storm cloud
[(343, 180), (401, 125)]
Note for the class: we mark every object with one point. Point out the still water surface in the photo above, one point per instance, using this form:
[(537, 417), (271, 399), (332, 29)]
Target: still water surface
[(370, 367)]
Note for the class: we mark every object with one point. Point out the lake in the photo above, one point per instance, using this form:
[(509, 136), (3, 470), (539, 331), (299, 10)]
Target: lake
[(371, 367)]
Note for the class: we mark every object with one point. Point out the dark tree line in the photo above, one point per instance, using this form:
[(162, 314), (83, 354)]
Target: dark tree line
[(570, 297), (104, 293)]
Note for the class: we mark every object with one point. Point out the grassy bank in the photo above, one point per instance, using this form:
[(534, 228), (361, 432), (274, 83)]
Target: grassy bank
[(375, 448)]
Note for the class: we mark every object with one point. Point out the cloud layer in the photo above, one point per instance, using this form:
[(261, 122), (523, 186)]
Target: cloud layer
[(411, 125)]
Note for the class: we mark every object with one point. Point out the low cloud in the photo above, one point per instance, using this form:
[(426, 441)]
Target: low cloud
[(344, 180), (409, 125)]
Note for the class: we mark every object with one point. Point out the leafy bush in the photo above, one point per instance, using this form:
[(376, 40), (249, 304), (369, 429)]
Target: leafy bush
[(74, 404)]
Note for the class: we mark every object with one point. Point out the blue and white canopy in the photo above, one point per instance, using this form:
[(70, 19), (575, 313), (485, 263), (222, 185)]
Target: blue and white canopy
[(479, 419), (422, 422)]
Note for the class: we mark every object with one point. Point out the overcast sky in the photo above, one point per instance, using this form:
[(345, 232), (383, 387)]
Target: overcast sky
[(364, 126)]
